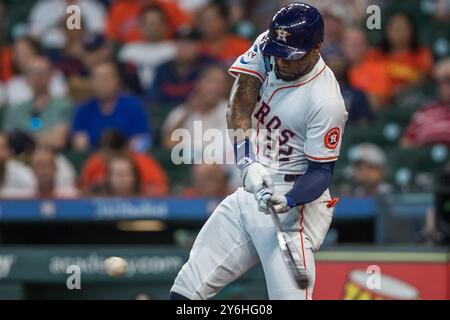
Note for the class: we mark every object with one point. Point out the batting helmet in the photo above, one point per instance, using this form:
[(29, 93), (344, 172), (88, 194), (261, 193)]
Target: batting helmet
[(294, 30)]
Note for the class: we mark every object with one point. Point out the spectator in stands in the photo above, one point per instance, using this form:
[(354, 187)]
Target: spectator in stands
[(123, 26), (18, 90), (364, 73), (45, 169), (44, 116), (408, 63), (369, 170), (48, 18), (175, 80), (154, 49), (204, 111), (218, 42), (16, 179), (334, 26), (110, 108), (208, 180), (22, 148), (431, 124), (356, 102), (96, 49), (122, 177), (206, 107), (154, 181), (68, 58)]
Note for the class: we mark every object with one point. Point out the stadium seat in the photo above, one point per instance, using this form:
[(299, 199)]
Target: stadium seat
[(416, 168), (77, 158), (157, 116), (179, 175)]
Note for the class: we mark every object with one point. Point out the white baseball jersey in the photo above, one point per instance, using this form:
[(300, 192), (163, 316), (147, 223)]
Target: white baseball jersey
[(308, 114)]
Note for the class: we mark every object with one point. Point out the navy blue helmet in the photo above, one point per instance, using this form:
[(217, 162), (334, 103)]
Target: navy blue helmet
[(294, 30)]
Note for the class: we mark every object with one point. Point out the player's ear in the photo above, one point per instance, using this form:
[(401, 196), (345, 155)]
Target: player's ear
[(317, 48)]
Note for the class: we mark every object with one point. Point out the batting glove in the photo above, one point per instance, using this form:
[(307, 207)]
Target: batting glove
[(263, 196), (279, 202), (255, 177)]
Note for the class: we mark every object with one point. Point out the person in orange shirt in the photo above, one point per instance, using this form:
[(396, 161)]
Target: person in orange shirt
[(407, 63), (94, 173), (218, 42), (365, 73), (123, 179), (123, 19)]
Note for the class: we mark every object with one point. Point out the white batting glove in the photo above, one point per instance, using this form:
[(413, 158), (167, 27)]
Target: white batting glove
[(256, 177), (263, 196), (279, 202), (257, 180)]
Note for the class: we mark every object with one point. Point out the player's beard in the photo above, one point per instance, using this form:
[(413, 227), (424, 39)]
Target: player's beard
[(288, 78), (298, 75)]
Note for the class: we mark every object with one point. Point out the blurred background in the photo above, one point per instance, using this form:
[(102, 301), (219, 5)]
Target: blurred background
[(86, 116)]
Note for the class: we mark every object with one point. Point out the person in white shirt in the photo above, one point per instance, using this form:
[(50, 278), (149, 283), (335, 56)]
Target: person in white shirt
[(154, 50), (206, 105), (23, 146), (45, 167), (205, 108), (16, 179), (16, 89), (46, 19)]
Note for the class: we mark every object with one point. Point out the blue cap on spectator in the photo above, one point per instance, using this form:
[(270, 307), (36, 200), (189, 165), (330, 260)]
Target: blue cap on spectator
[(93, 41)]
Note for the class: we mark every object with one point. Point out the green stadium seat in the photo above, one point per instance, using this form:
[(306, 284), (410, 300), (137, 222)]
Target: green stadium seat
[(395, 114), (416, 165), (157, 116), (179, 175), (77, 158), (357, 134)]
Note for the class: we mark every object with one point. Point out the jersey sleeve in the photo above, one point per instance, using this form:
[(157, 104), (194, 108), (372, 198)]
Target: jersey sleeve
[(324, 130), (251, 62)]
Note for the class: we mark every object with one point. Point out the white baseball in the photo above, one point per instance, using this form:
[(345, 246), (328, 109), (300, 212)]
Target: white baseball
[(115, 266)]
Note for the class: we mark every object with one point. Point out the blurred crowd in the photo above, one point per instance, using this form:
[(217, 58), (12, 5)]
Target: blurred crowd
[(91, 111)]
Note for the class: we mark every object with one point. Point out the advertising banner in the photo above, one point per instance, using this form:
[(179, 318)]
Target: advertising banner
[(402, 276)]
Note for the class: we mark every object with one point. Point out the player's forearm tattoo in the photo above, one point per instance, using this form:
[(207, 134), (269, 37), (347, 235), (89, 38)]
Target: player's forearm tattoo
[(242, 102)]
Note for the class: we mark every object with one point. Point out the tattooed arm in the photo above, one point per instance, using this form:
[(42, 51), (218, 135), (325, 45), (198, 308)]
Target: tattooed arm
[(243, 98)]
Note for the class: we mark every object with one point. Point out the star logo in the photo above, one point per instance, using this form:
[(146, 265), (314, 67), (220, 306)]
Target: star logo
[(332, 138), (282, 34)]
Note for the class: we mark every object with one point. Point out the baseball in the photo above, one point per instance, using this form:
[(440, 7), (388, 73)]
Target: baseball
[(115, 266)]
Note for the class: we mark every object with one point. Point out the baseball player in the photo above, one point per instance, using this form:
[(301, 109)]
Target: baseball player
[(281, 84)]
